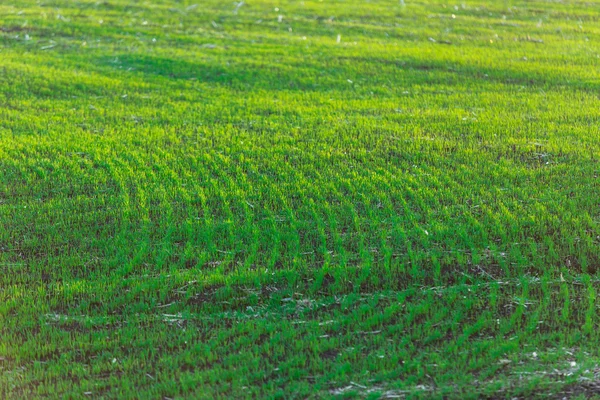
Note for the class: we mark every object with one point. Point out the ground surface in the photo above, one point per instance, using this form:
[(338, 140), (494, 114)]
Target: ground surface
[(299, 199)]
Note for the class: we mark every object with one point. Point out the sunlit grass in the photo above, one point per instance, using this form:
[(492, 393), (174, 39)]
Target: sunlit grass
[(296, 199)]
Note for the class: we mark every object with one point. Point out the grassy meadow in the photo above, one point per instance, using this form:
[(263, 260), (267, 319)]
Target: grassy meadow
[(299, 199)]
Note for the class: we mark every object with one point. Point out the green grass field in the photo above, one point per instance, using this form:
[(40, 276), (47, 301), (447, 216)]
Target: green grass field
[(299, 199)]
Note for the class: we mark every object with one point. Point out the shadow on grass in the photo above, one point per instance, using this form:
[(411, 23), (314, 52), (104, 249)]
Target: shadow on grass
[(235, 76), (333, 74)]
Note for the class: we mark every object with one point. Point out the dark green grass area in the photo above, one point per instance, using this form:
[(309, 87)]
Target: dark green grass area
[(299, 199)]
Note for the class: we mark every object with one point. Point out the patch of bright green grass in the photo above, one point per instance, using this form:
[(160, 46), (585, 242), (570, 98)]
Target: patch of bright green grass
[(299, 199)]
